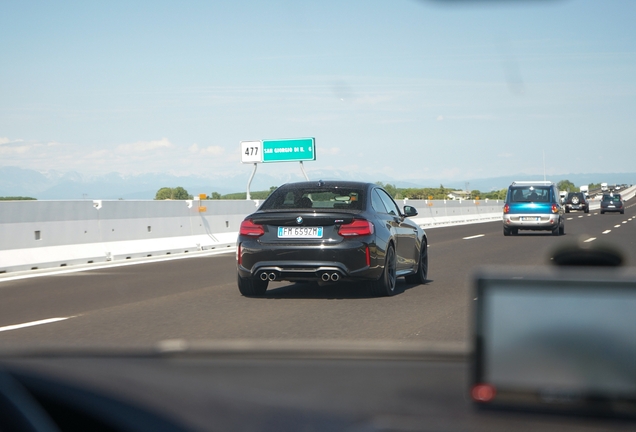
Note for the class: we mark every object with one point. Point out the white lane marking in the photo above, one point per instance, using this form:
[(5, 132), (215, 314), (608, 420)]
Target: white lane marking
[(606, 231), (569, 218), (590, 215), (617, 226), (33, 323), (624, 221), (591, 239), (472, 237), (580, 217)]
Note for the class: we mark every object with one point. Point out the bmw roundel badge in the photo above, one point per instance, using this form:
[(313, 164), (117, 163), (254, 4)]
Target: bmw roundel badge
[(299, 220)]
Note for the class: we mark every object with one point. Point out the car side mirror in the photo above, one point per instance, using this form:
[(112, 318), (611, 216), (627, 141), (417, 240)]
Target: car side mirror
[(410, 211)]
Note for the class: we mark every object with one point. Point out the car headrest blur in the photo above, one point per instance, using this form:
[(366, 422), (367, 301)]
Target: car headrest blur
[(595, 254)]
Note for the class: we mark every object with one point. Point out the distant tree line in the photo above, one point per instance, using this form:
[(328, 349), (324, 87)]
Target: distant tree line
[(436, 193), (17, 198), (178, 193)]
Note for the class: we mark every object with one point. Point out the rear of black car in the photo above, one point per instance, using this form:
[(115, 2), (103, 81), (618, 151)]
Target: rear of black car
[(612, 203), (308, 231)]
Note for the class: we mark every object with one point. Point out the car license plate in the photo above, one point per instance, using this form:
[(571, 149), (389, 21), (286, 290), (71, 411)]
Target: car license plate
[(299, 232), (530, 218)]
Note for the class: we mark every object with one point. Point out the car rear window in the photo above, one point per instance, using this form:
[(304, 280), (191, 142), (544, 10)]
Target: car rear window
[(315, 198), (611, 197), (529, 194)]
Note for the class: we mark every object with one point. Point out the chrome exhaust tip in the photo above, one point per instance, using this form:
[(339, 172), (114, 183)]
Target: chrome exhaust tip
[(263, 276), (335, 277), (272, 276), (325, 277)]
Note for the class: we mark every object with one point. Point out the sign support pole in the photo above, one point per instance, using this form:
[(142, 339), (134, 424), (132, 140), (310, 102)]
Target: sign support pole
[(302, 168), (249, 182)]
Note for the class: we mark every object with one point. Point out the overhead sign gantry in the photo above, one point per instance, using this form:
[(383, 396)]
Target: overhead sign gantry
[(278, 150)]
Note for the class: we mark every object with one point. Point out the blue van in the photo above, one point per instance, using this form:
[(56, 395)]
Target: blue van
[(535, 206)]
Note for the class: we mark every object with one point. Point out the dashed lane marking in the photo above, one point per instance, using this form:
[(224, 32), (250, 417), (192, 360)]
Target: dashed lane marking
[(591, 239), (33, 323), (606, 231), (473, 237)]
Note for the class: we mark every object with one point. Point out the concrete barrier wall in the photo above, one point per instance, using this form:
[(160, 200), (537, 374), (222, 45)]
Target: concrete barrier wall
[(45, 234), (39, 234), (438, 213)]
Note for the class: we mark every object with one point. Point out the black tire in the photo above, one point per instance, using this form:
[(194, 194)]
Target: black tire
[(562, 230), (555, 231), (602, 212), (567, 210), (506, 231), (587, 210), (251, 287), (422, 267), (622, 211), (514, 231), (385, 286)]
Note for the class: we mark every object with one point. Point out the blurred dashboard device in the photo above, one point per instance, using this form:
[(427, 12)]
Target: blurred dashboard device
[(556, 339)]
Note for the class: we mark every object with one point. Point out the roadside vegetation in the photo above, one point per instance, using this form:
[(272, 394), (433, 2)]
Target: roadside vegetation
[(17, 198), (178, 193), (425, 193)]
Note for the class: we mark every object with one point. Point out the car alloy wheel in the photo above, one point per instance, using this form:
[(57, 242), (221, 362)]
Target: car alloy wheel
[(385, 286), (422, 267), (251, 287)]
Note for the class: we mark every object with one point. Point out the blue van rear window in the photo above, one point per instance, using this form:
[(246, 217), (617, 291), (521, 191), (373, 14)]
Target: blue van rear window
[(529, 194)]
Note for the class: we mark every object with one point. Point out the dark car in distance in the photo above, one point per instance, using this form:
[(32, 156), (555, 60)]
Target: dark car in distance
[(612, 203), (577, 201), (330, 231)]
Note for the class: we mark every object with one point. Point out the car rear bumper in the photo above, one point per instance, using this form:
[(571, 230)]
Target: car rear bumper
[(531, 221), (612, 209), (571, 207), (327, 263)]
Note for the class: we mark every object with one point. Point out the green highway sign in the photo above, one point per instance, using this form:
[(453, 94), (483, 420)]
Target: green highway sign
[(289, 150)]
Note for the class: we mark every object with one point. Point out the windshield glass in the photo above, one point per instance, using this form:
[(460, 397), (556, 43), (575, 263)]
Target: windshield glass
[(287, 198), (134, 135), (530, 194), (614, 197)]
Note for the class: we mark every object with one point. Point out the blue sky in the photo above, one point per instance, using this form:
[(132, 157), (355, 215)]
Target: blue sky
[(393, 89)]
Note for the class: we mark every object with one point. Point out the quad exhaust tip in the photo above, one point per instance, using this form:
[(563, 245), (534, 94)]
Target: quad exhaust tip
[(268, 276), (334, 277)]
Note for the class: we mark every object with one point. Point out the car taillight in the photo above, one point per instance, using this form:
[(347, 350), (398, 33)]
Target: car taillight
[(555, 208), (249, 228), (506, 209), (358, 227)]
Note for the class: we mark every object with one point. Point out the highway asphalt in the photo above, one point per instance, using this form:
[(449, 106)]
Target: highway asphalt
[(197, 299)]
